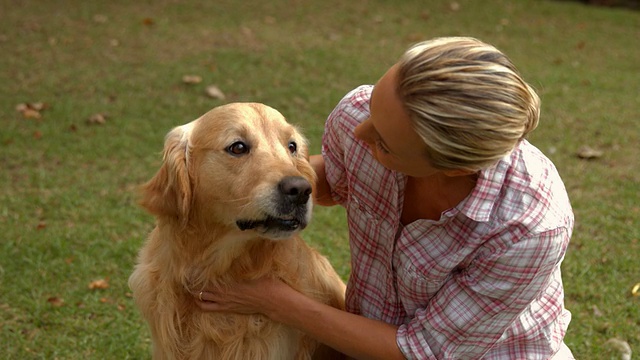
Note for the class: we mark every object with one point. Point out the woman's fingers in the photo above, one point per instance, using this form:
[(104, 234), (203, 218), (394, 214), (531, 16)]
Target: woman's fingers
[(249, 297)]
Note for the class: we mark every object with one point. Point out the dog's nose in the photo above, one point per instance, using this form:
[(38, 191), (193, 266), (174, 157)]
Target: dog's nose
[(295, 188)]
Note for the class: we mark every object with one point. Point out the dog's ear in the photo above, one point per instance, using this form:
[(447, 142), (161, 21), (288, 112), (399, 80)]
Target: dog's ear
[(168, 193)]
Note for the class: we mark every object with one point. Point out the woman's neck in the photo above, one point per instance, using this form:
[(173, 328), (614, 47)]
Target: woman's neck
[(428, 197)]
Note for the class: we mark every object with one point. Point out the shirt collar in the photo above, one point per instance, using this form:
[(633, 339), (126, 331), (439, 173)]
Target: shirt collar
[(480, 203)]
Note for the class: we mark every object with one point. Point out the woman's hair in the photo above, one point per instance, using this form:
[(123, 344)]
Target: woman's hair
[(466, 101)]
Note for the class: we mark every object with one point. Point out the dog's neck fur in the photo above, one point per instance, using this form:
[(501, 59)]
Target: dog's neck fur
[(220, 259)]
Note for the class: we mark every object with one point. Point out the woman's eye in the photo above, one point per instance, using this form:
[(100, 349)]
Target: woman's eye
[(238, 148), (293, 147)]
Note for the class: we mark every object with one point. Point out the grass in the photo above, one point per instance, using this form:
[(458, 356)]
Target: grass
[(67, 188)]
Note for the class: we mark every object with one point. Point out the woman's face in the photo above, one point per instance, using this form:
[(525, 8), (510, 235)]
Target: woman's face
[(389, 133)]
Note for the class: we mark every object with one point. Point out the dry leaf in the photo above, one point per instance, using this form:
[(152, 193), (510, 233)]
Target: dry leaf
[(596, 311), (55, 301), (31, 114), (31, 110), (99, 119), (454, 6), (215, 92), (148, 22), (37, 106), (41, 225), (98, 284), (191, 79), (621, 346), (37, 134), (100, 19), (635, 291), (588, 153)]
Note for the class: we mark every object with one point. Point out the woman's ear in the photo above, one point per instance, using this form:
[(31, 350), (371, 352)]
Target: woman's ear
[(168, 193)]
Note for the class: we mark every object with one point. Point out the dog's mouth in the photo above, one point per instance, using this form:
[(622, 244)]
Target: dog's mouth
[(271, 223)]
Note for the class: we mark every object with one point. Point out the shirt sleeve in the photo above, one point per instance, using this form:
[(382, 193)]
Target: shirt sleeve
[(475, 306), (338, 135)]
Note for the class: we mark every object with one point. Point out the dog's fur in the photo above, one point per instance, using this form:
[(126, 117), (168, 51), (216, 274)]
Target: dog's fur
[(229, 199)]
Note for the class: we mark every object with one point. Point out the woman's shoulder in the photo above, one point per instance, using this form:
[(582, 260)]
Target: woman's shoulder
[(357, 98), (534, 183), (353, 108)]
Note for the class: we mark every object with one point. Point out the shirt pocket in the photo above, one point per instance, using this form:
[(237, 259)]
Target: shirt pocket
[(416, 287)]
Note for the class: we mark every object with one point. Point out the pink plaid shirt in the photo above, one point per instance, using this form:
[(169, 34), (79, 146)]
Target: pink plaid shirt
[(481, 282)]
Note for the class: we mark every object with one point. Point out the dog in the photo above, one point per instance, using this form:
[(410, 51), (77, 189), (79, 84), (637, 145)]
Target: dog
[(230, 198)]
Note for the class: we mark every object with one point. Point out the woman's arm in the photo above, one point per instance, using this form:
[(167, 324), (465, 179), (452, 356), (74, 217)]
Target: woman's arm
[(353, 335), (323, 190)]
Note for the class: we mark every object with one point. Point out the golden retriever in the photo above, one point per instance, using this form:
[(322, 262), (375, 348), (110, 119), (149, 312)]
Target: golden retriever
[(231, 196)]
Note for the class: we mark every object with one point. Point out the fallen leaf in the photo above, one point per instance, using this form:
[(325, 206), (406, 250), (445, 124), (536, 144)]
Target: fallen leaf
[(596, 311), (454, 6), (98, 284), (31, 110), (41, 225), (621, 346), (31, 114), (191, 79), (588, 153), (37, 134), (37, 106), (121, 307), (99, 119), (148, 22), (635, 291), (55, 301), (100, 19), (214, 92)]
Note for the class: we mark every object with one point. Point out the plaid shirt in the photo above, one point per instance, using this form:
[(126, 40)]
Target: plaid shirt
[(481, 282)]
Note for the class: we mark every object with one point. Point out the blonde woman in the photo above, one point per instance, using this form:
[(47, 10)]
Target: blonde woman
[(457, 224)]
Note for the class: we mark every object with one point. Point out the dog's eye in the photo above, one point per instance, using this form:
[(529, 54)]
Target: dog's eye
[(238, 148), (293, 147)]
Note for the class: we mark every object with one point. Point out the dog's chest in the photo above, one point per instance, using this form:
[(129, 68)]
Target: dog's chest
[(249, 337)]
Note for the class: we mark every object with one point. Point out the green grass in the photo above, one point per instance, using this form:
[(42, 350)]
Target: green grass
[(67, 189)]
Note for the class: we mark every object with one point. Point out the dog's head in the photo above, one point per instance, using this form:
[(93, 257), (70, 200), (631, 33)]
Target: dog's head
[(240, 167)]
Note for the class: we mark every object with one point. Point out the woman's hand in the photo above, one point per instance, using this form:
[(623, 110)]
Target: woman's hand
[(252, 297)]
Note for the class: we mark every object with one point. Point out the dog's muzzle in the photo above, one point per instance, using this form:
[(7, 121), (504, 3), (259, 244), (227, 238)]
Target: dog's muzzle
[(289, 208)]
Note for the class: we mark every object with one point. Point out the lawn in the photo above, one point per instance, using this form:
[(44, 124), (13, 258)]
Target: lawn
[(89, 89)]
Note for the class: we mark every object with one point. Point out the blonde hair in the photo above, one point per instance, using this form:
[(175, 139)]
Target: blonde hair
[(466, 100)]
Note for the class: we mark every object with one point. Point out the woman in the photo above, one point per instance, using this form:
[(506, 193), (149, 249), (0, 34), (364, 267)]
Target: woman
[(457, 224)]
